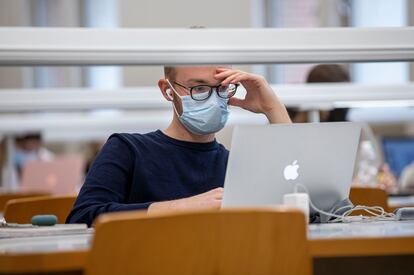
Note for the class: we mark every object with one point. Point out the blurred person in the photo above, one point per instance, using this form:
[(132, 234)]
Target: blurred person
[(30, 147), (324, 73), (368, 173), (407, 179), (183, 166)]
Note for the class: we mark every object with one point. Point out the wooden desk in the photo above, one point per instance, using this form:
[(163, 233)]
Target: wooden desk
[(361, 239), (326, 241), (362, 248), (58, 253)]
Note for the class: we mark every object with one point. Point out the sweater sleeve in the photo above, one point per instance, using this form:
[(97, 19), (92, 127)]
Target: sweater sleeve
[(107, 184)]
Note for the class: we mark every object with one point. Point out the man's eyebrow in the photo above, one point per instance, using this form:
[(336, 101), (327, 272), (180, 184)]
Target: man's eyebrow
[(199, 81)]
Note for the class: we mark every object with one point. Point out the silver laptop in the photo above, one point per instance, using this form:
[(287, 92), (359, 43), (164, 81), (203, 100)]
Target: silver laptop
[(267, 161)]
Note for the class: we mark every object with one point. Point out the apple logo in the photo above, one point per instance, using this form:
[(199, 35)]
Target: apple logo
[(291, 171)]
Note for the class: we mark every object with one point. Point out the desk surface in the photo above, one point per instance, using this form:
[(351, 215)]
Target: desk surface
[(69, 252), (379, 229), (36, 254), (400, 201), (332, 231), (361, 239), (45, 244)]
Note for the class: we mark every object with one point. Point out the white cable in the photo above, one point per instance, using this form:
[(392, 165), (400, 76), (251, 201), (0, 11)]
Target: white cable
[(311, 203), (377, 212)]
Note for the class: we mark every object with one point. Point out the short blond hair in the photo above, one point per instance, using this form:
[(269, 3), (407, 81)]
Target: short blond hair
[(169, 72)]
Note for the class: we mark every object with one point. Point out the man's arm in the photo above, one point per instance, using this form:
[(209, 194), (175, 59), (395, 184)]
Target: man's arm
[(106, 186), (260, 98), (208, 200)]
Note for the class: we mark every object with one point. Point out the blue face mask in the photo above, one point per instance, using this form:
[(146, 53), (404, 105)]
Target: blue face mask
[(203, 117), (22, 157)]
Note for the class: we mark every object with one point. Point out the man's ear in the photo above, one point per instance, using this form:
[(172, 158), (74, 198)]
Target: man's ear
[(165, 89)]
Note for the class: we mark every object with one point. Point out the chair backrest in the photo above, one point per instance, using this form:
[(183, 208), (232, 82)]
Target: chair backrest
[(369, 196), (220, 242), (5, 197), (22, 210)]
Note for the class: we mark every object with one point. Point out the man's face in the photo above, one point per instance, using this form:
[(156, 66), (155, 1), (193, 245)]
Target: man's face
[(30, 144), (190, 77)]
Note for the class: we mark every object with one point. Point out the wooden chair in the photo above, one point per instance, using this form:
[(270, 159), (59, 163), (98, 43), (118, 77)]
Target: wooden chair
[(22, 210), (220, 242), (5, 197), (369, 196)]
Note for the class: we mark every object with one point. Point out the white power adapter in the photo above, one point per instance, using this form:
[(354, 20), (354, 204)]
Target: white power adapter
[(299, 201)]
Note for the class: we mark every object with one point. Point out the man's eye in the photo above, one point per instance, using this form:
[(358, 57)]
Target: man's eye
[(201, 89)]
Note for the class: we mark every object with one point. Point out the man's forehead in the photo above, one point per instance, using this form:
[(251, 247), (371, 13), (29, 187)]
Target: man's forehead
[(197, 72)]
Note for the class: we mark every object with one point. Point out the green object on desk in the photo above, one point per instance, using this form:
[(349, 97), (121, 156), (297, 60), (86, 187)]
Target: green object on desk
[(44, 220)]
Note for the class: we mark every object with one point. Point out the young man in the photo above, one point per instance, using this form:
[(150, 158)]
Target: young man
[(182, 167)]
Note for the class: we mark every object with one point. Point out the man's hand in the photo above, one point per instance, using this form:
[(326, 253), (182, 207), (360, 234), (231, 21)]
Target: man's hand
[(260, 98), (210, 200)]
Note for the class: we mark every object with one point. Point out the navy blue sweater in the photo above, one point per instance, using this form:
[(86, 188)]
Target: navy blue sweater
[(133, 170)]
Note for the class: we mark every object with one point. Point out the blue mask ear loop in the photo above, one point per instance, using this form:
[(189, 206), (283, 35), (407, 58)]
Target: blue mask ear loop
[(169, 83)]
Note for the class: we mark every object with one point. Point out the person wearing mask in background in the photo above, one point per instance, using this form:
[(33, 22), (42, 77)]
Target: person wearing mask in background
[(182, 167), (29, 147), (368, 172)]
